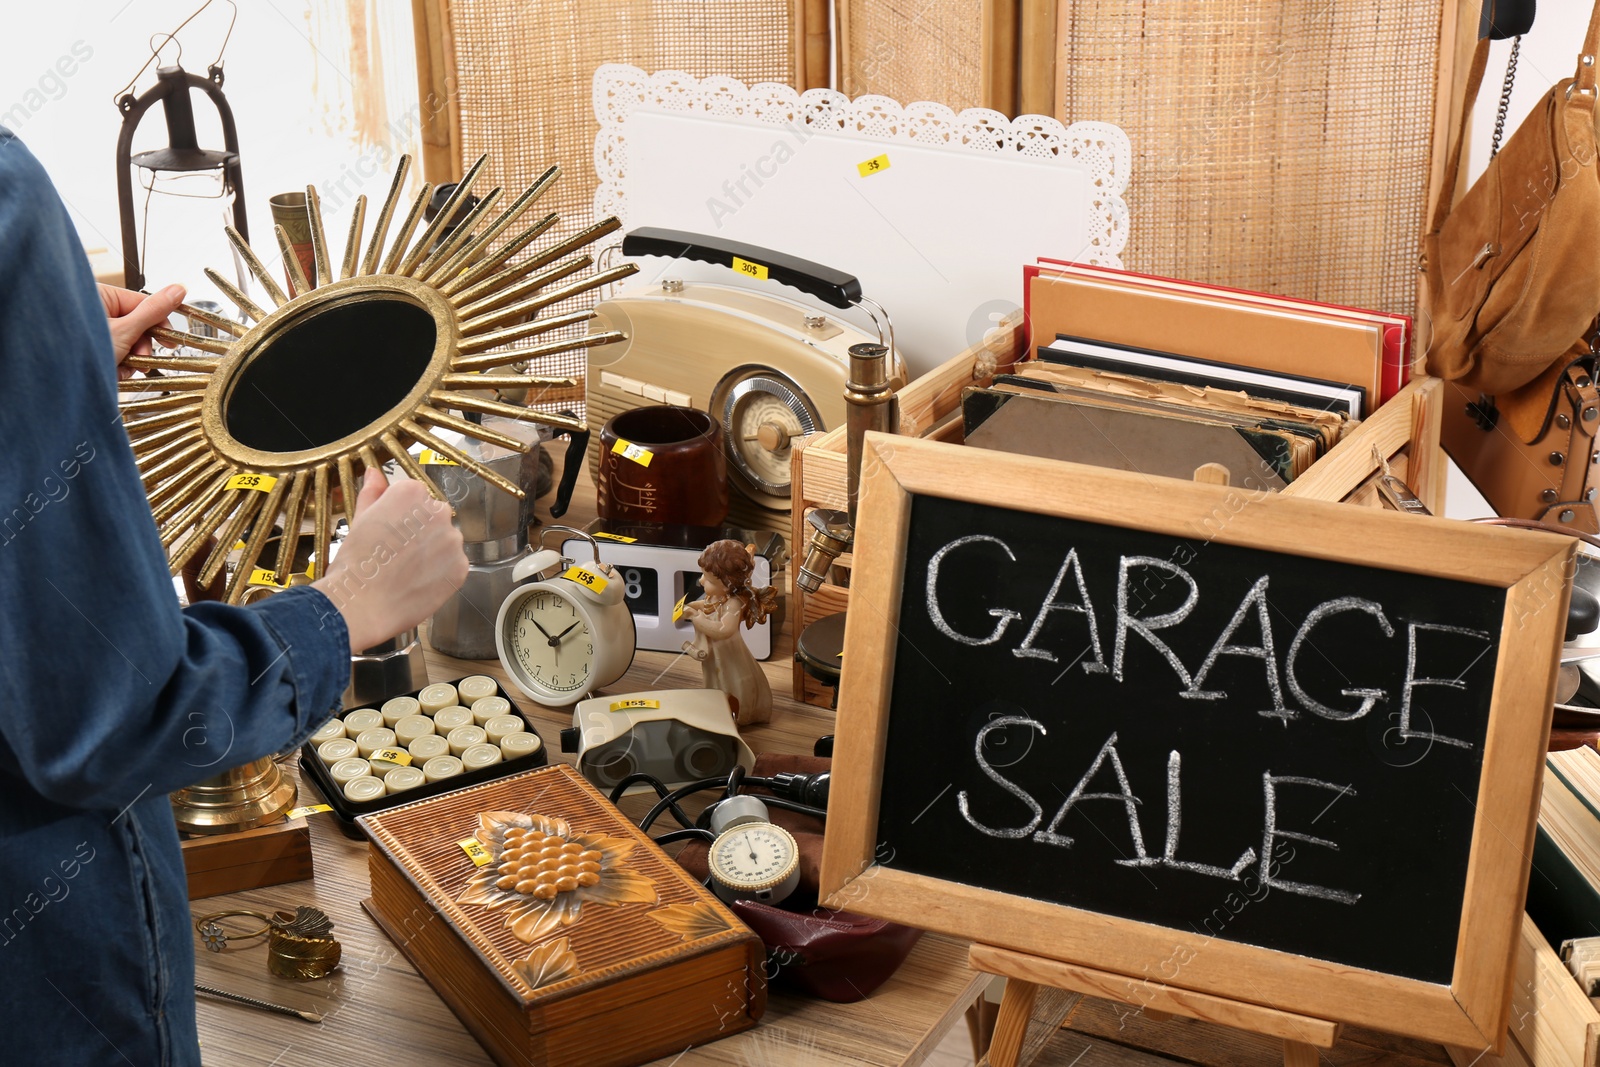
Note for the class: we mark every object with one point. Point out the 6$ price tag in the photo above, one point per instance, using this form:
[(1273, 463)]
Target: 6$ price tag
[(397, 757)]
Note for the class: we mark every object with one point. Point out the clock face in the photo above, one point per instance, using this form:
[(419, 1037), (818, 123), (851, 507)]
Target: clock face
[(753, 856), (551, 641)]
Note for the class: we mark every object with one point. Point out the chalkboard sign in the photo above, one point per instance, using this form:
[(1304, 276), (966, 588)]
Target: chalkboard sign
[(1275, 749)]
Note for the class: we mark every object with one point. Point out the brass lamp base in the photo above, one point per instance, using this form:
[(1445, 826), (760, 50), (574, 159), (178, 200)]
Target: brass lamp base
[(241, 799)]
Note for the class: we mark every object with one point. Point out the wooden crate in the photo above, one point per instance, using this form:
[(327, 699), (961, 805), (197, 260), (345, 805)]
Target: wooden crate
[(1405, 432), (646, 963), (231, 863)]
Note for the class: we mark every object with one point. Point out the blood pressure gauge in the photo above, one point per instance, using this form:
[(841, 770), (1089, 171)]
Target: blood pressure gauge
[(568, 631), (751, 859), (762, 411)]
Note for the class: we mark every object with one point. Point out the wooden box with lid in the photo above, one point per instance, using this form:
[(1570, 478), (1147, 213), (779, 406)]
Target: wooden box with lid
[(555, 929)]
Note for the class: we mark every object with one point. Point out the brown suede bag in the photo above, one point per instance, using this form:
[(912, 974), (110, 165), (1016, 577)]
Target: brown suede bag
[(1514, 268)]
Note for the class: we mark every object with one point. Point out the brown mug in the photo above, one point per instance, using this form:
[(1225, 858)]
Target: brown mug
[(289, 211), (665, 464)]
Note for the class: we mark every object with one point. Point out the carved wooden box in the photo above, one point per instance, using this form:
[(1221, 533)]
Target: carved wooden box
[(577, 941)]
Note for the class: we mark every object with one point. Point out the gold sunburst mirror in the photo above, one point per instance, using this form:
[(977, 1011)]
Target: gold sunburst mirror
[(348, 374)]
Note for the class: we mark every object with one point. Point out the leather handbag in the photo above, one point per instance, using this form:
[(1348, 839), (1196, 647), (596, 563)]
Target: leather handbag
[(1530, 451), (1514, 268)]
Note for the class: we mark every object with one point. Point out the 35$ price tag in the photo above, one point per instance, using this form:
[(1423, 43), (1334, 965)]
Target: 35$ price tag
[(638, 453), (476, 852), (636, 704), (586, 577)]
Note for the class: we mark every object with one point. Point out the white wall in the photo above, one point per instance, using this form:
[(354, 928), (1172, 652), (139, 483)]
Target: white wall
[(314, 102), (1549, 53)]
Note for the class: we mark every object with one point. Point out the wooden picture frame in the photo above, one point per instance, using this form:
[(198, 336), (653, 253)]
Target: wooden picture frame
[(1473, 1009)]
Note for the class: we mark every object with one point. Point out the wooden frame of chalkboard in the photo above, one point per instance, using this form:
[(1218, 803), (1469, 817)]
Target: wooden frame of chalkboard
[(1408, 926)]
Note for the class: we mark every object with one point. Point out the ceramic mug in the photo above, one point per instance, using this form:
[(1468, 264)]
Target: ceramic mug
[(663, 464)]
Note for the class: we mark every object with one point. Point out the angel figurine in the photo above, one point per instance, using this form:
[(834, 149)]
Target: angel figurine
[(729, 600)]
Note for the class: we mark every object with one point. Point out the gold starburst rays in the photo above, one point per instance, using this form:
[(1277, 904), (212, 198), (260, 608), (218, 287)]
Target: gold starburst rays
[(348, 373)]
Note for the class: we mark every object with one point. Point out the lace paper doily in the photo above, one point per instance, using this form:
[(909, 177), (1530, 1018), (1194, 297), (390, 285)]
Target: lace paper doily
[(1099, 148)]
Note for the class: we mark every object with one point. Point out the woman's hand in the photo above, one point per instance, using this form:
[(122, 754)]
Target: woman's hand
[(133, 315), (401, 562)]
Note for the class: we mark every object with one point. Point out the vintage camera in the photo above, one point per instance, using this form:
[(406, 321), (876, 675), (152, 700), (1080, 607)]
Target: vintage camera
[(659, 565), (676, 735)]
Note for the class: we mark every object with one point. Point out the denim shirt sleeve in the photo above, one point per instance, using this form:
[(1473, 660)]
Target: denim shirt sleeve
[(110, 690)]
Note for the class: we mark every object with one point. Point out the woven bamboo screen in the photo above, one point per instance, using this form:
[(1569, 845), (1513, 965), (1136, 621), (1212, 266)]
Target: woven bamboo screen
[(1278, 146), (514, 78), (912, 50)]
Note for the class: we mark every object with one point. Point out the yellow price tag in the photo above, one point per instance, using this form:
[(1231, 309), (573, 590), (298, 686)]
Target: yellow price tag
[(430, 458), (586, 577), (475, 851), (261, 483), (399, 757), (238, 546), (262, 576), (638, 453), (875, 165), (749, 269), (677, 609), (309, 809), (619, 538), (634, 705)]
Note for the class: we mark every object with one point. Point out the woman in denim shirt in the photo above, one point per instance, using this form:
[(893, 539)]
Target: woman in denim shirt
[(112, 696)]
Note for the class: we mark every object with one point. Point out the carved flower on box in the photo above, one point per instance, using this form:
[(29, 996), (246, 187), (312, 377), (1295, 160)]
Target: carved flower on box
[(548, 964), (690, 921), (541, 873)]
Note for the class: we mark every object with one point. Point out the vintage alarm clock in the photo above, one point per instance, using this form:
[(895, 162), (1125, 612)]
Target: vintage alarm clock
[(751, 858), (567, 632), (768, 368)]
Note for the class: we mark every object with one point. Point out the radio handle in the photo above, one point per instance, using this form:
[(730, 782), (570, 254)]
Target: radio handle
[(576, 447), (832, 287)]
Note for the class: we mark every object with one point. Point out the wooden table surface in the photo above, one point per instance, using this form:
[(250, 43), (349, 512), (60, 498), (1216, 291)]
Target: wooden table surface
[(377, 1010)]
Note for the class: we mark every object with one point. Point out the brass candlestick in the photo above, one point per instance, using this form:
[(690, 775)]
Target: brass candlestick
[(241, 799)]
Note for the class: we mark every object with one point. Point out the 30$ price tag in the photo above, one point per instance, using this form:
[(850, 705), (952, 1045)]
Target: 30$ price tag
[(261, 483), (750, 269), (638, 453), (475, 851), (875, 165), (636, 704), (397, 757), (586, 577)]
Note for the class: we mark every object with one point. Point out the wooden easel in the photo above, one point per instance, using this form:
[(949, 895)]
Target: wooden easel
[(1026, 974)]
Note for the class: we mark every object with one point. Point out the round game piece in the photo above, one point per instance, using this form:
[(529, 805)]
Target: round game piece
[(412, 727), (436, 696), (369, 741), (441, 767), (502, 726), (515, 746), (402, 778), (331, 729), (399, 708), (362, 719), (476, 688), (346, 769), (447, 719), (464, 737), (480, 756), (367, 788), (428, 746), (489, 708), (335, 749)]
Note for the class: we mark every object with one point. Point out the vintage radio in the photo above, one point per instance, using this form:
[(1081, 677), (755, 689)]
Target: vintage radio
[(768, 368), (555, 929)]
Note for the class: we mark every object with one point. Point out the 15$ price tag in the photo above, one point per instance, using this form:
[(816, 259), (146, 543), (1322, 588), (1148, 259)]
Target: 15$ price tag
[(430, 458), (475, 851), (586, 577), (309, 809), (638, 453), (636, 704), (618, 538), (677, 609)]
